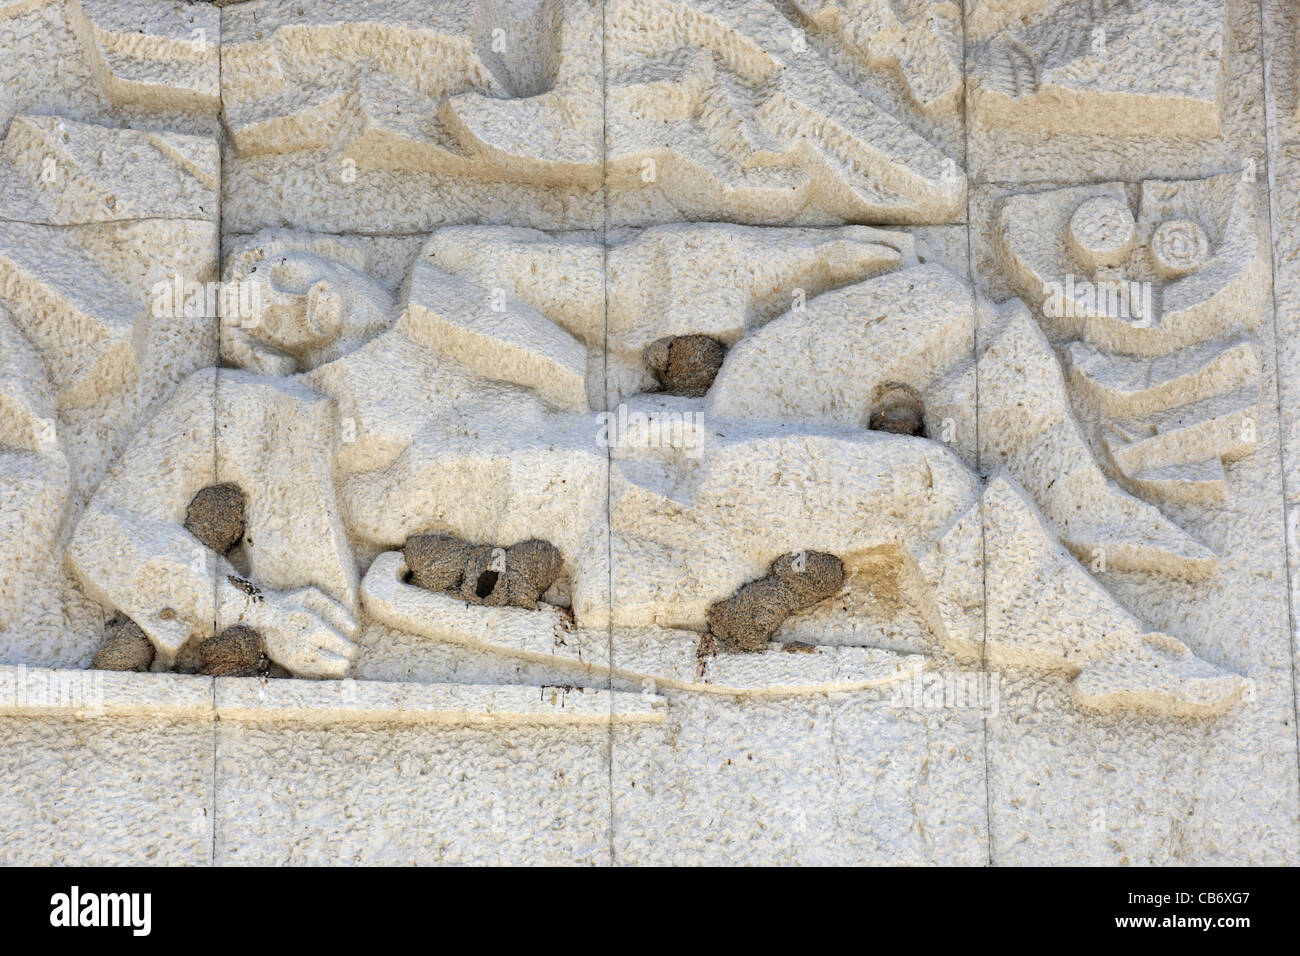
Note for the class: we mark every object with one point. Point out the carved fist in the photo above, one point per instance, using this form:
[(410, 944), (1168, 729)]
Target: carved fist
[(307, 632)]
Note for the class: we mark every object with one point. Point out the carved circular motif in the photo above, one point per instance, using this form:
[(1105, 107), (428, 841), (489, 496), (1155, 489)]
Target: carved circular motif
[(1179, 246), (1102, 231)]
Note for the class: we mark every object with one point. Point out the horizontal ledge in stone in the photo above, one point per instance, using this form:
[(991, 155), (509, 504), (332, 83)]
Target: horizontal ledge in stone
[(346, 701), (44, 691), (41, 691)]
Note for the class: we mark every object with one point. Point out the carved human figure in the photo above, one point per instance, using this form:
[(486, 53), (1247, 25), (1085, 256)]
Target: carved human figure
[(412, 432)]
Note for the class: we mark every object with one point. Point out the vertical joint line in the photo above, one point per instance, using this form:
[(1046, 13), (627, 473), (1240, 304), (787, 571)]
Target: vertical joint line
[(609, 455), (979, 460), (1271, 149)]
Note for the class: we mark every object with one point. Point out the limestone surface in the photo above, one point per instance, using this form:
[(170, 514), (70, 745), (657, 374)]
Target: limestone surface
[(543, 431), (1081, 65)]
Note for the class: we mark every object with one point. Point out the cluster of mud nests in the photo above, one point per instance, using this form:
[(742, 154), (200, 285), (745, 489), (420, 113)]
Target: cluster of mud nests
[(516, 576), (685, 364), (237, 651), (748, 619), (519, 575), (216, 517)]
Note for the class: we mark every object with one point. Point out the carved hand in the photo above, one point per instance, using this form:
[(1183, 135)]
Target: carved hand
[(307, 632)]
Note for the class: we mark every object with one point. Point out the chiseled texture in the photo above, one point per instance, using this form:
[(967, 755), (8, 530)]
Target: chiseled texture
[(87, 785)]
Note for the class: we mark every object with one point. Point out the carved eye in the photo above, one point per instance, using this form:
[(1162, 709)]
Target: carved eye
[(291, 275), (1178, 247)]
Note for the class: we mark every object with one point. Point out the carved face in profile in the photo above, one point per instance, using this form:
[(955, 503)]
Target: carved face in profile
[(1180, 266), (297, 309)]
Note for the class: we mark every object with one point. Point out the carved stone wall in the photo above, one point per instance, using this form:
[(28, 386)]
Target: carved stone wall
[(641, 431)]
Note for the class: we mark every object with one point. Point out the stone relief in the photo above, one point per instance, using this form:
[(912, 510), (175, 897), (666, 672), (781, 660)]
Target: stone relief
[(681, 394), (1160, 308), (341, 438), (1087, 65), (669, 110)]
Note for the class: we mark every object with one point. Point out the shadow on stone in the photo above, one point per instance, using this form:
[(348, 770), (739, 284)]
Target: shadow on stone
[(898, 409)]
